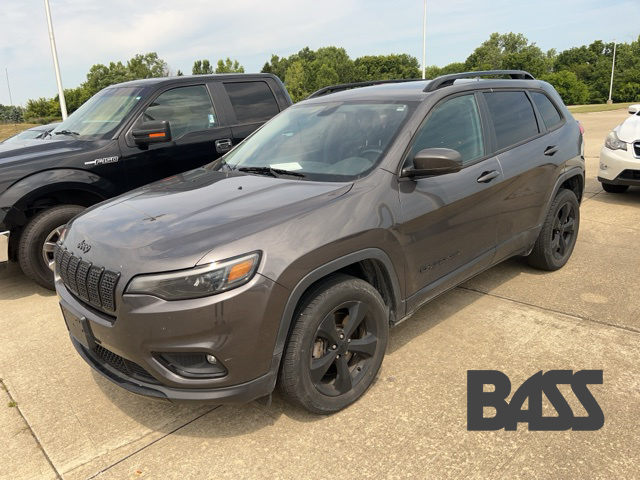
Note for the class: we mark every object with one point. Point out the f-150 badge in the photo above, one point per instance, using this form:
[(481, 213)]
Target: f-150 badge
[(102, 161)]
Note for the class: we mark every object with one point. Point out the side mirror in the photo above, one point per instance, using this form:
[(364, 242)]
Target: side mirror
[(434, 161), (634, 109), (152, 132)]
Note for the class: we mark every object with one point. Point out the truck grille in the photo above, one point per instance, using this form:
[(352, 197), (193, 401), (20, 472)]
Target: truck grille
[(90, 283)]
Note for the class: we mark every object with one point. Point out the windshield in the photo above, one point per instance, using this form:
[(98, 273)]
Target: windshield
[(325, 142), (101, 114)]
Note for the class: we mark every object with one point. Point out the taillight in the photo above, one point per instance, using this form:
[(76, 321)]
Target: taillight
[(581, 127)]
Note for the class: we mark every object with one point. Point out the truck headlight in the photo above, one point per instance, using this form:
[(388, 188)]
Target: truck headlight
[(199, 281), (612, 142)]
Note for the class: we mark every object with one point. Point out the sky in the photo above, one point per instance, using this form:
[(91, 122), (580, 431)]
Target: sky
[(88, 32)]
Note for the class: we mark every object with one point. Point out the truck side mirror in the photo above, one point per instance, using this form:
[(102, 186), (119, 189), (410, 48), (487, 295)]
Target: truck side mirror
[(152, 132)]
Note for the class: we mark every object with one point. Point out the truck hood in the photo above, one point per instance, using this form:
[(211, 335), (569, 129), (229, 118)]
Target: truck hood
[(24, 150), (173, 223), (629, 131)]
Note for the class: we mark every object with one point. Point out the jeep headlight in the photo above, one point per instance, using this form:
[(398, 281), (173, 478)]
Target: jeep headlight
[(197, 282), (612, 142)]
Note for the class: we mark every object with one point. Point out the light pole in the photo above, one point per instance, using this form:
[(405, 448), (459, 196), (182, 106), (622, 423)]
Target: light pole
[(56, 67), (613, 67), (424, 40)]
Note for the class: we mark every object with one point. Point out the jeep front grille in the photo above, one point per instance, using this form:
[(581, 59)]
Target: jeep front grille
[(90, 283), (124, 366)]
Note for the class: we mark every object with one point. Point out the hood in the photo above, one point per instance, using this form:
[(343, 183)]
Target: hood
[(629, 131), (22, 150), (173, 223)]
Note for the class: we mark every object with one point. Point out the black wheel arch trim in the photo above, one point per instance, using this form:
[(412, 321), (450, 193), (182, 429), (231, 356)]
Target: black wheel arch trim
[(573, 172), (325, 270), (17, 196)]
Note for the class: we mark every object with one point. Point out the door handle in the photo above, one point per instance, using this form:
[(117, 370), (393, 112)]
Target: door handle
[(549, 151), (223, 145), (486, 177)]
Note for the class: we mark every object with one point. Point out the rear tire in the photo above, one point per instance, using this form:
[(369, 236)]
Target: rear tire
[(559, 233), (337, 345), (38, 240), (611, 188)]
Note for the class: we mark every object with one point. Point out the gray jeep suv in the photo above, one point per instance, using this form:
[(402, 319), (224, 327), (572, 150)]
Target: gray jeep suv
[(288, 259)]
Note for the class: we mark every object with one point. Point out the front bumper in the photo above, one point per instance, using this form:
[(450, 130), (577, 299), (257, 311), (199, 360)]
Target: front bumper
[(618, 166), (237, 327), (4, 249)]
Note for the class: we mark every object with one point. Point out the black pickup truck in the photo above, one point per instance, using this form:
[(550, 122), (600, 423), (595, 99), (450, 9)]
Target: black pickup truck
[(125, 136)]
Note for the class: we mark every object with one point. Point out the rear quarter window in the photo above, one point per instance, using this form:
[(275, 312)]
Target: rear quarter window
[(549, 112), (513, 118), (252, 102)]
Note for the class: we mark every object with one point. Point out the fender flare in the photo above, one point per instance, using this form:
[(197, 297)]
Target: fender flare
[(573, 172), (18, 195), (322, 271)]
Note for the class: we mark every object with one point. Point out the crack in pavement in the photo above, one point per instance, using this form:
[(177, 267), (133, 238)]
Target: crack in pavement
[(126, 457), (31, 431), (553, 310)]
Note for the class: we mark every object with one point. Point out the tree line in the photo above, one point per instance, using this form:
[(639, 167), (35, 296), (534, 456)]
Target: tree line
[(579, 74)]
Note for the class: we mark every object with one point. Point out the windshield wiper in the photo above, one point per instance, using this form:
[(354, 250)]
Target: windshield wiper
[(66, 132), (274, 172)]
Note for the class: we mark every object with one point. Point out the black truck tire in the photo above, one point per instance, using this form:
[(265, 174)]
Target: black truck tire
[(43, 228)]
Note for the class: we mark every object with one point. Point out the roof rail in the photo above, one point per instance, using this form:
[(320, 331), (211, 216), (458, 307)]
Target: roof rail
[(347, 86), (447, 80)]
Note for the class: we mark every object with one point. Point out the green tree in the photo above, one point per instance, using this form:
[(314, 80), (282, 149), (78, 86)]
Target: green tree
[(74, 98), (201, 67), (296, 81), (41, 108), (572, 90), (147, 66), (229, 66), (386, 67), (507, 51), (140, 66)]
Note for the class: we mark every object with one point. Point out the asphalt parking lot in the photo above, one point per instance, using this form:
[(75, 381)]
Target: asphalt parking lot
[(59, 420)]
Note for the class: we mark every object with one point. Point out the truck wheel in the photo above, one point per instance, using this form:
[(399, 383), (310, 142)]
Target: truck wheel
[(35, 250), (559, 233), (337, 345), (611, 188)]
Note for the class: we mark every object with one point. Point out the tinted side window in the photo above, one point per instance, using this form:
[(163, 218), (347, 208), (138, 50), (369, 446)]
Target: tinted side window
[(252, 101), (550, 115), (187, 109), (513, 117), (454, 124)]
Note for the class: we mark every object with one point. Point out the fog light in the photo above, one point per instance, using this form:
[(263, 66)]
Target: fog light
[(603, 166), (212, 360)]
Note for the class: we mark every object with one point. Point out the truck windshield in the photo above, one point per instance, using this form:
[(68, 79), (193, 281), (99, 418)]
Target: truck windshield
[(324, 142), (99, 116)]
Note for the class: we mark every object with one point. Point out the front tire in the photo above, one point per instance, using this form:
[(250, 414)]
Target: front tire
[(35, 250), (611, 188), (559, 233), (337, 345)]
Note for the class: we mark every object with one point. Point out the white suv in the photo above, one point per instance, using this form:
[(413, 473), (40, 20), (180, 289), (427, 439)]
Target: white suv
[(620, 155)]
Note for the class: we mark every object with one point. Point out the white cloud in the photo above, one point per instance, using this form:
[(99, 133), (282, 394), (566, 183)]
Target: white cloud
[(93, 31)]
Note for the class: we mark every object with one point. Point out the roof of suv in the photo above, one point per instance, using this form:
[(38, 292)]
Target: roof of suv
[(417, 90)]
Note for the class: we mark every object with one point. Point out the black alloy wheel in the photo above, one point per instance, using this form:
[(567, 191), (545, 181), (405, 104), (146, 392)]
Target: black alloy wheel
[(336, 346), (559, 233)]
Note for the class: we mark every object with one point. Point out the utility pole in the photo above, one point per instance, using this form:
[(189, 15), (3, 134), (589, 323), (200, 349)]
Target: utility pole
[(613, 67), (56, 67), (424, 40), (6, 70)]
